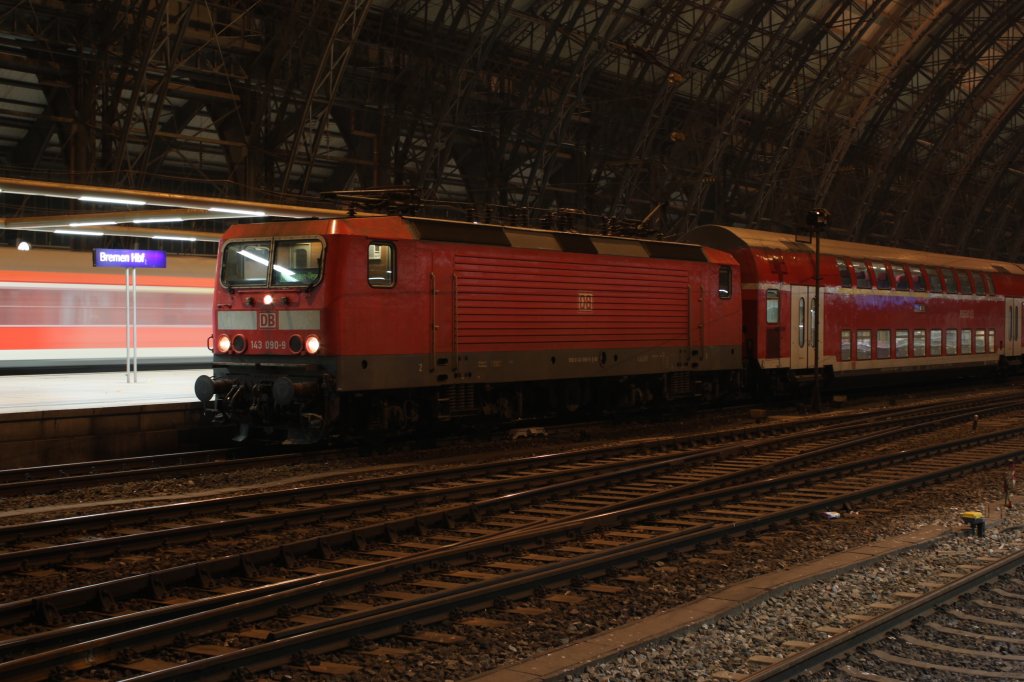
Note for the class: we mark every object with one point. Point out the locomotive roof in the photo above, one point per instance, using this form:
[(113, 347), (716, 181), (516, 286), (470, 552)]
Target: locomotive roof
[(730, 239), (454, 231)]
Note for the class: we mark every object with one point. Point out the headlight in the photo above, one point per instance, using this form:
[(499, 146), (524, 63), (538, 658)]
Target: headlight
[(295, 343), (268, 299), (312, 344), (223, 343), (238, 343)]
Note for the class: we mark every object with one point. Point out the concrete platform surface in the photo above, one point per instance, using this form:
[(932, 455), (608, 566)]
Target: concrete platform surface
[(45, 392)]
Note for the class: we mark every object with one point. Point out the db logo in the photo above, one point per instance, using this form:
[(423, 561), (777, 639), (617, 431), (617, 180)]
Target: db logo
[(585, 301), (266, 320)]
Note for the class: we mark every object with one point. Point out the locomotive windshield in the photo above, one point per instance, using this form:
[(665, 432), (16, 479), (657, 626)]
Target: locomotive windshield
[(249, 264)]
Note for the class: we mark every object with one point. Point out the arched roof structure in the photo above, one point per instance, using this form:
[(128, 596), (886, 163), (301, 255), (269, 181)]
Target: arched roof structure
[(902, 117)]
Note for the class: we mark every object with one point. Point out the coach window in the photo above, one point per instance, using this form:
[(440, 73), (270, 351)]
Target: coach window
[(863, 344), (902, 343), (919, 343), (934, 283), (935, 342), (965, 282), (881, 276), (813, 323), (949, 279), (965, 341), (990, 286), (380, 265), (844, 273), (979, 286), (845, 342), (899, 272), (991, 341), (724, 282), (883, 344), (801, 324), (860, 270), (950, 342), (772, 306), (917, 278), (979, 340)]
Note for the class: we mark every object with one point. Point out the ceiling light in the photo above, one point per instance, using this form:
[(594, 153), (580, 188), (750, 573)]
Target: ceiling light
[(174, 238), (93, 224), (236, 211), (111, 200), (143, 221), (80, 233), (24, 246)]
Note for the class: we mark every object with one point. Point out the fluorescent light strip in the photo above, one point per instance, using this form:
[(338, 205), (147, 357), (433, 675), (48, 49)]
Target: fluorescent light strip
[(236, 211), (144, 221), (93, 224), (173, 238), (111, 200), (81, 233)]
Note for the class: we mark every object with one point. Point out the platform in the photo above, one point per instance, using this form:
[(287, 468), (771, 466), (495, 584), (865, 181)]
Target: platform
[(75, 391)]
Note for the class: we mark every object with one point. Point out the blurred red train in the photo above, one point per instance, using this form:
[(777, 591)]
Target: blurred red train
[(59, 313), (386, 322)]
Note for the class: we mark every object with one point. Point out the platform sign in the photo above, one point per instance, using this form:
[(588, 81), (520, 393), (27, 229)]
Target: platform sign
[(128, 258), (131, 260)]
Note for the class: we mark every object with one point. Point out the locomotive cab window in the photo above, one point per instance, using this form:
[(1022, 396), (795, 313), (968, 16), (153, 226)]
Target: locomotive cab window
[(725, 282), (380, 265), (297, 262), (245, 264)]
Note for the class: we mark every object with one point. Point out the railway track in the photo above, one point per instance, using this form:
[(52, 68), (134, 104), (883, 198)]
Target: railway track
[(505, 548), (83, 540), (967, 629)]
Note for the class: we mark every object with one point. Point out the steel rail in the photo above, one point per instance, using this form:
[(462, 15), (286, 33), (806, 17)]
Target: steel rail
[(351, 579), (391, 619), (47, 608), (814, 657), (148, 540)]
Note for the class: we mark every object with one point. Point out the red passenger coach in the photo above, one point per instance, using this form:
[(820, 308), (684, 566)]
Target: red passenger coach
[(884, 310), (388, 321)]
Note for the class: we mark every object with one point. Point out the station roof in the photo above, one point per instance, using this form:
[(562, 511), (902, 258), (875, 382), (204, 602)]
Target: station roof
[(903, 118)]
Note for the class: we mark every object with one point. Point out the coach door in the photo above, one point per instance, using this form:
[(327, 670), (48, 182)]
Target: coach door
[(1013, 342), (801, 351)]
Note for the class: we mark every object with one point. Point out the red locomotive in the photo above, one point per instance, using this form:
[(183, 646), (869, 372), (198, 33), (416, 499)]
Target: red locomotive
[(385, 322)]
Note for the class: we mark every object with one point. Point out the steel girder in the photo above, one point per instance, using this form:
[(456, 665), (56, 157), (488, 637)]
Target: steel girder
[(904, 118)]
